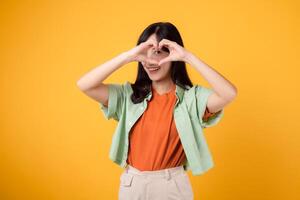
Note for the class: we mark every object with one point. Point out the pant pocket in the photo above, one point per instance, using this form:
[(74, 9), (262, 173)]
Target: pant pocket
[(126, 179), (125, 187), (184, 186)]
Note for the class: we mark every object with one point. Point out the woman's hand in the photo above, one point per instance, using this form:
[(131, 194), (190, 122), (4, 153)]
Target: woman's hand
[(177, 52), (139, 53)]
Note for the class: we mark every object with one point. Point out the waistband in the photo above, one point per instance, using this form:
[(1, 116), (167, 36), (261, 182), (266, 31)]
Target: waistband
[(163, 173)]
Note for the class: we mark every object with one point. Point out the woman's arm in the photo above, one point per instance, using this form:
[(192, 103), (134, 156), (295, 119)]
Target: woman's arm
[(91, 82), (224, 91), (97, 75)]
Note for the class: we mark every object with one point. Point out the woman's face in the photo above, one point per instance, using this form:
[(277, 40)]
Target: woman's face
[(156, 72)]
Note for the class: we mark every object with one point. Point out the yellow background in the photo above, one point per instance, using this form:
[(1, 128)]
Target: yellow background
[(55, 140)]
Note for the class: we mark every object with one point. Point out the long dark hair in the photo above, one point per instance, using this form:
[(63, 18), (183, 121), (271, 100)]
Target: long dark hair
[(179, 75)]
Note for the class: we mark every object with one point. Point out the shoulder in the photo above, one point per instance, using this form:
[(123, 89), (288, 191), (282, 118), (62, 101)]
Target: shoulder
[(201, 90), (196, 90), (196, 93), (127, 87)]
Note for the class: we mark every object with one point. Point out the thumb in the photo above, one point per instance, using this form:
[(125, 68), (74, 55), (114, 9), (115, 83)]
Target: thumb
[(167, 59)]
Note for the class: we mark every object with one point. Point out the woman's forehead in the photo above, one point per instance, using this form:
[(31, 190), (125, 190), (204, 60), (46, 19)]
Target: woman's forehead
[(152, 37)]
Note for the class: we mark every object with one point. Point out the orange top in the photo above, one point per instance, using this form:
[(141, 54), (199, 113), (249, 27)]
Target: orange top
[(207, 114), (154, 142)]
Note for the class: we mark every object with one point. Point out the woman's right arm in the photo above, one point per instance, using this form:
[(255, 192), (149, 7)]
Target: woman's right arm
[(92, 84)]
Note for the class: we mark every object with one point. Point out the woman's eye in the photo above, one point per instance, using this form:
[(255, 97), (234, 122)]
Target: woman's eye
[(165, 49)]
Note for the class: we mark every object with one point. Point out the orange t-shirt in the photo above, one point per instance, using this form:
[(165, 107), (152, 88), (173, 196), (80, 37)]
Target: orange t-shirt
[(154, 143)]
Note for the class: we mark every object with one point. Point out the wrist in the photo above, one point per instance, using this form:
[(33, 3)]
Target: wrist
[(188, 57), (127, 57)]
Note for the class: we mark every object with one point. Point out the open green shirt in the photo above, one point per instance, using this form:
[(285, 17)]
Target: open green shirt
[(188, 111)]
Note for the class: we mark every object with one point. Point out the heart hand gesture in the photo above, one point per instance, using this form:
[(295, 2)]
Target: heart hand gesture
[(139, 53), (177, 52)]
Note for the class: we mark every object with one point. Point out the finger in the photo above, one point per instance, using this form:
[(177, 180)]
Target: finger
[(148, 45), (154, 44), (164, 47), (145, 45), (141, 58), (152, 41), (164, 42), (167, 59)]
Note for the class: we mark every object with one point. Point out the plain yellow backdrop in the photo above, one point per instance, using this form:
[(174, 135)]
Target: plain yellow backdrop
[(55, 140)]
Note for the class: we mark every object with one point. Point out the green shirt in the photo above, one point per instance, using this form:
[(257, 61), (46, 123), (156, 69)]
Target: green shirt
[(190, 106)]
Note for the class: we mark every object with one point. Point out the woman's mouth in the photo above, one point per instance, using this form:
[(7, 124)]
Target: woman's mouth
[(153, 70)]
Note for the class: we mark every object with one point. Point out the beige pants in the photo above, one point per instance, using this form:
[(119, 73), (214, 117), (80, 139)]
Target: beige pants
[(167, 184)]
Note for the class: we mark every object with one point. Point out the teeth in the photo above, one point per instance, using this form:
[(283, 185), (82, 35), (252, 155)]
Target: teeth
[(153, 69)]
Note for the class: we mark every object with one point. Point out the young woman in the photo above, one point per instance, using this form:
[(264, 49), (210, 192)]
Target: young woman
[(161, 116)]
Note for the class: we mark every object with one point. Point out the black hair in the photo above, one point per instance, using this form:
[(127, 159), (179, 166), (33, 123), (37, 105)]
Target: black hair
[(142, 86)]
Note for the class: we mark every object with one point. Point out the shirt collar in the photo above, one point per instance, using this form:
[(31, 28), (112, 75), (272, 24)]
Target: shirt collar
[(179, 93)]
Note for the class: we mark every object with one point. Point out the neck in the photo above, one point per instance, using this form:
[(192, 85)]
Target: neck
[(163, 86)]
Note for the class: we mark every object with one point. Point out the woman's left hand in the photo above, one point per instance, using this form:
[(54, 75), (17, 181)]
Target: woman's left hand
[(177, 52)]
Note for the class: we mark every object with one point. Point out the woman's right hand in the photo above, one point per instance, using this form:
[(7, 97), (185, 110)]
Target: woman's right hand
[(139, 52)]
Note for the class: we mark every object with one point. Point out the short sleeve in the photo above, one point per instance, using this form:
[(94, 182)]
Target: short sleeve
[(116, 98), (206, 120)]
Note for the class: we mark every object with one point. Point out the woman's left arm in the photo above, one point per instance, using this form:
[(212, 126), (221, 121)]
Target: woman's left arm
[(224, 91)]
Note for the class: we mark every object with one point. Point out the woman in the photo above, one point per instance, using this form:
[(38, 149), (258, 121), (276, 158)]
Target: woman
[(160, 116)]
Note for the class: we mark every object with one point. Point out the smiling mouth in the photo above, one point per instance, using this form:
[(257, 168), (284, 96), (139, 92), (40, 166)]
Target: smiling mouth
[(153, 69)]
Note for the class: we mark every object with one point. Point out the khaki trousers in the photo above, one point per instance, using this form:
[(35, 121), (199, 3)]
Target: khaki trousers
[(166, 184)]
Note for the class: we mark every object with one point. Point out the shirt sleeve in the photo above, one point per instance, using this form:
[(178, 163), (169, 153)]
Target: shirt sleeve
[(206, 118), (116, 98)]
